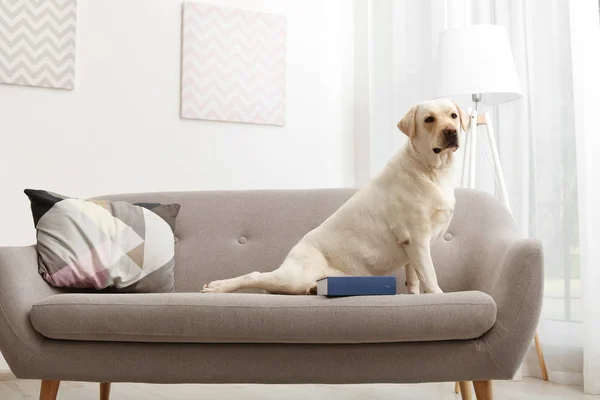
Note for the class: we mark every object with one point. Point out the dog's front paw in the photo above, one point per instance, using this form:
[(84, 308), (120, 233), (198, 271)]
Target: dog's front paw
[(412, 288), (436, 290), (312, 289)]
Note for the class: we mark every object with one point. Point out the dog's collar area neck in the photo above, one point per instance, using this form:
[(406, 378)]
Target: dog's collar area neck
[(425, 163), (420, 159)]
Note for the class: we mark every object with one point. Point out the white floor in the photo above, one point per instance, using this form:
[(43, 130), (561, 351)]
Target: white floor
[(512, 390)]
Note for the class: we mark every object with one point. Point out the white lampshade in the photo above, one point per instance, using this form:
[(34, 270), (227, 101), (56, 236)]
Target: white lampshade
[(476, 59)]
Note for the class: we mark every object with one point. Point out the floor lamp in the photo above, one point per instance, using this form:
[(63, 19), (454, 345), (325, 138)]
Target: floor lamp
[(475, 64)]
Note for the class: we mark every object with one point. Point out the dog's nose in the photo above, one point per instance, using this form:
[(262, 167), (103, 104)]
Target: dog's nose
[(450, 133)]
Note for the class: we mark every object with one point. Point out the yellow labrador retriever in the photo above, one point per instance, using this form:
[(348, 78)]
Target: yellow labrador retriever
[(388, 224)]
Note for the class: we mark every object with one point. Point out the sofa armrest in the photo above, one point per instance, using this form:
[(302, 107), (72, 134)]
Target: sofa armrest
[(20, 287), (516, 285)]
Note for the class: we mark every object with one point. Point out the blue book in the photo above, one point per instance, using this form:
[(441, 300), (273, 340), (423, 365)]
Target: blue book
[(356, 286)]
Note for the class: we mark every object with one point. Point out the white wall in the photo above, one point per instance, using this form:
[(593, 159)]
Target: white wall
[(120, 130)]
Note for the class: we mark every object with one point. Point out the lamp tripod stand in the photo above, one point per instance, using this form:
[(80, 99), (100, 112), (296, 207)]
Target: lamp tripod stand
[(468, 181)]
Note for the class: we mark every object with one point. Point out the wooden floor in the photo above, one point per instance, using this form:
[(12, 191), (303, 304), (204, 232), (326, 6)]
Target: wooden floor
[(528, 389)]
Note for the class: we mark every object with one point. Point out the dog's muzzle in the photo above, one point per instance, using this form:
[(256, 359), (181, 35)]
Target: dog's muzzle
[(450, 140)]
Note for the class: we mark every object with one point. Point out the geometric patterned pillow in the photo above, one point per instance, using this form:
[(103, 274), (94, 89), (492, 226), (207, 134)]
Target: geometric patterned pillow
[(99, 244)]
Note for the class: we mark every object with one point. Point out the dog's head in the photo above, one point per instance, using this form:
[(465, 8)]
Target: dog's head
[(433, 127)]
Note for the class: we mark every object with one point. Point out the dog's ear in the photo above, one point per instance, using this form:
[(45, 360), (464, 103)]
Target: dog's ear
[(408, 123), (464, 118)]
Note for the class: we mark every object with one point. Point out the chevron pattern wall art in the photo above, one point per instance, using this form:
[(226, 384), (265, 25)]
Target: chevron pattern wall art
[(233, 65), (37, 42)]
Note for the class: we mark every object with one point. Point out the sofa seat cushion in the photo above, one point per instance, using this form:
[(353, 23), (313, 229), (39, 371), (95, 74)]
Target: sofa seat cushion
[(263, 318)]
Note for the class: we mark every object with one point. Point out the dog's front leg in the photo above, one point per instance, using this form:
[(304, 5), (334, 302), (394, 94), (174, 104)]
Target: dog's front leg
[(282, 280), (419, 256), (412, 280)]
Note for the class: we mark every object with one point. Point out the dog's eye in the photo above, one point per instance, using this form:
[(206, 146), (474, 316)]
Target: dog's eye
[(429, 120), (454, 115)]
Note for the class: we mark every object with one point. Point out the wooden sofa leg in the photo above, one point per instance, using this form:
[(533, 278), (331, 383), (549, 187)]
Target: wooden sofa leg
[(465, 390), (49, 390), (540, 354), (104, 390), (456, 388), (483, 390)]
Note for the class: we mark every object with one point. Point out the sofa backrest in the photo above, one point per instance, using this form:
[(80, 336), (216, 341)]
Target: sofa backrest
[(223, 234)]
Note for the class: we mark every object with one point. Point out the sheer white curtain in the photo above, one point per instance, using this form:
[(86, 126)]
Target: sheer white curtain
[(540, 141), (585, 54)]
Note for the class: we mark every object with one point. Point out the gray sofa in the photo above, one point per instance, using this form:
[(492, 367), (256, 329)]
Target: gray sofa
[(479, 330)]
